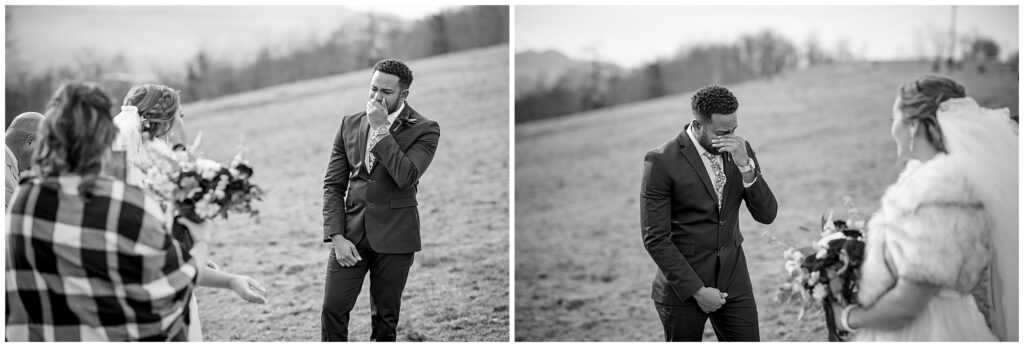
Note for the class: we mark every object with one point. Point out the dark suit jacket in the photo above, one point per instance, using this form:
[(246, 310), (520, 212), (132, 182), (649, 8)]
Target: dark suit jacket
[(381, 204), (683, 229)]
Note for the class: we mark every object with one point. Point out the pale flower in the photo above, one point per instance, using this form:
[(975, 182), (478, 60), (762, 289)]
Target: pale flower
[(814, 278), (819, 292), (823, 243), (791, 267), (158, 182), (207, 168), (205, 209), (821, 254)]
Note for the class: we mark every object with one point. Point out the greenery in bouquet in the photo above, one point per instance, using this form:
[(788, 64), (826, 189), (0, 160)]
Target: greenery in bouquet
[(200, 188)]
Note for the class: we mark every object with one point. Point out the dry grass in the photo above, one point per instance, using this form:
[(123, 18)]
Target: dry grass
[(458, 285), (581, 269)]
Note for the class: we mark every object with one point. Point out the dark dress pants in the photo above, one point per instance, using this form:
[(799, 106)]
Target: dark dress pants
[(388, 274), (734, 321)]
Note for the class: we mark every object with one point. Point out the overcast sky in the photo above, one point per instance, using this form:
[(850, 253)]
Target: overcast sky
[(633, 35), (170, 35)]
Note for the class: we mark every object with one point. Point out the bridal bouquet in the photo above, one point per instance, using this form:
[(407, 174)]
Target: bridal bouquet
[(202, 189), (827, 271)]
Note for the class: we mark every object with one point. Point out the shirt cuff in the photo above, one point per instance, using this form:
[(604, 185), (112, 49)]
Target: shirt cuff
[(747, 185)]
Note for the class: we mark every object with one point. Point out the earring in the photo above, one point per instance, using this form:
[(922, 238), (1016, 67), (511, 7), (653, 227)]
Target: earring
[(913, 136)]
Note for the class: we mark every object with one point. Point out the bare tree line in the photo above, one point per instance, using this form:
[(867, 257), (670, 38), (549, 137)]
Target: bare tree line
[(350, 47), (758, 55)]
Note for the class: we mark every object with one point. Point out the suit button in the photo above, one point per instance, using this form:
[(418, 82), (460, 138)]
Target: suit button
[(369, 181), (369, 204), (721, 222)]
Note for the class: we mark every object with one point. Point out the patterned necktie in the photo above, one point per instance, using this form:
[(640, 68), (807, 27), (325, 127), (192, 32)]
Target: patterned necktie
[(719, 176), (370, 159)]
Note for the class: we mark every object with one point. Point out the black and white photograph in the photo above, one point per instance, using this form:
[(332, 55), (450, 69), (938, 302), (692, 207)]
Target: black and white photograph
[(766, 173), (257, 173)]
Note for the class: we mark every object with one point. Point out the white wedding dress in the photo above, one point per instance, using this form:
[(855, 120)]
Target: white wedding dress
[(952, 222), (129, 140)]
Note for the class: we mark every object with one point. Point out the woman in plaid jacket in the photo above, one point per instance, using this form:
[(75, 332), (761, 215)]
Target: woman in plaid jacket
[(90, 258)]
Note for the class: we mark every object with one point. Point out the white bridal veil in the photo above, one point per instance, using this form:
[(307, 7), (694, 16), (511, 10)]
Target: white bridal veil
[(129, 141), (983, 144)]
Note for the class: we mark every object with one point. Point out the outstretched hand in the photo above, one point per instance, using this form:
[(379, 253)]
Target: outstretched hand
[(249, 289)]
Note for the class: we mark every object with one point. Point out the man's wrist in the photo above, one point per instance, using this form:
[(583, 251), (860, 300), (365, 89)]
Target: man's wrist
[(747, 166)]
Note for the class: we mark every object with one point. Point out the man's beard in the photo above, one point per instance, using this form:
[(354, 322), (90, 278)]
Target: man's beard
[(705, 141), (394, 107)]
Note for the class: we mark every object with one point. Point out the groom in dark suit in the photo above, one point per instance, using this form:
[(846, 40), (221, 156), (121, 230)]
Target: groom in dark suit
[(689, 210), (370, 214)]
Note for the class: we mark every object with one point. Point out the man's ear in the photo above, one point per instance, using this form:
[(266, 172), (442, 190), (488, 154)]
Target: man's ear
[(403, 95)]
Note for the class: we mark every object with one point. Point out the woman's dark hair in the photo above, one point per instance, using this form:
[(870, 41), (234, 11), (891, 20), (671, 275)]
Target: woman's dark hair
[(158, 105), (920, 99), (76, 133)]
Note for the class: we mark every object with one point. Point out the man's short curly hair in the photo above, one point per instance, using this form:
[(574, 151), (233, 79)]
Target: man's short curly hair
[(397, 68), (713, 99)]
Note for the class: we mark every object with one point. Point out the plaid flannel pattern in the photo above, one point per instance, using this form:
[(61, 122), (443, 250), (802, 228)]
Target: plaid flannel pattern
[(99, 269)]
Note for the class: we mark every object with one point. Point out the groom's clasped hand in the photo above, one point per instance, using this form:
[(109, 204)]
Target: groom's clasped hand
[(710, 299)]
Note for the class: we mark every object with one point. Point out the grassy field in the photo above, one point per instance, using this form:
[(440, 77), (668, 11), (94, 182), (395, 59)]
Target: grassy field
[(458, 285), (581, 269)]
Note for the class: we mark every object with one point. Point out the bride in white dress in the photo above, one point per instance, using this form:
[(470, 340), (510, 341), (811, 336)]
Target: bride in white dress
[(941, 255), (153, 113)]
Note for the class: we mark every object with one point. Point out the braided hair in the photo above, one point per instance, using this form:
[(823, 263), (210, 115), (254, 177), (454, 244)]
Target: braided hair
[(157, 104), (76, 133), (920, 99)]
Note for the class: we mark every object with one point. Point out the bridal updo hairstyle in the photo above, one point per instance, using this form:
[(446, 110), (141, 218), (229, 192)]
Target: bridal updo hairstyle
[(157, 104), (711, 100), (76, 133), (920, 99)]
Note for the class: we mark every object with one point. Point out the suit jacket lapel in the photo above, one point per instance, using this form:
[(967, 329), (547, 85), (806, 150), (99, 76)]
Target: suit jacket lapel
[(362, 131), (732, 176), (402, 118), (689, 150)]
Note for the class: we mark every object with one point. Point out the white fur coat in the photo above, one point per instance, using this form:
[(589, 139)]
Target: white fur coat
[(931, 228)]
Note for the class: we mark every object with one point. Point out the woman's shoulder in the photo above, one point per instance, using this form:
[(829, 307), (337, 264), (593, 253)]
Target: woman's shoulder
[(934, 226), (936, 181), (95, 190)]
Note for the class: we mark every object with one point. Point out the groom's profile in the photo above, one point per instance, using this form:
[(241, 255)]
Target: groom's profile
[(690, 198), (370, 213)]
